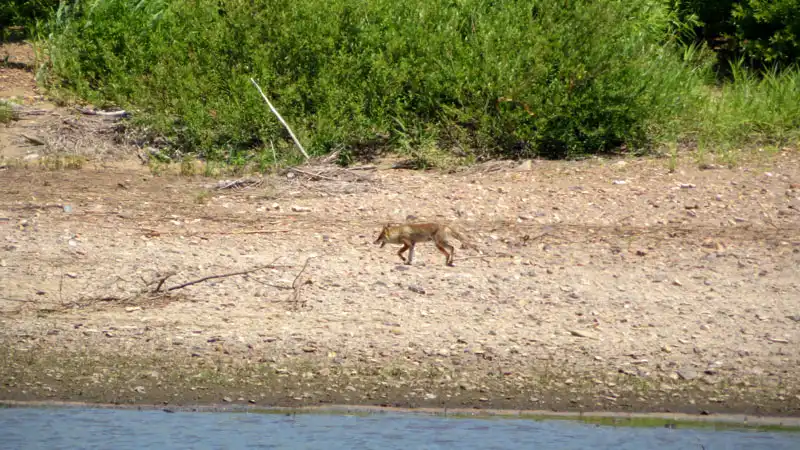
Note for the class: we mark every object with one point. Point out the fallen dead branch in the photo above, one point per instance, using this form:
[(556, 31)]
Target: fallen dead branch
[(163, 280), (312, 175), (504, 255), (156, 233), (238, 184), (295, 295), (92, 112), (33, 140), (226, 275), (277, 114)]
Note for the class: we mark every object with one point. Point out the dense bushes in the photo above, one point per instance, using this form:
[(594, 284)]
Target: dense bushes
[(764, 33), (24, 13), (483, 78)]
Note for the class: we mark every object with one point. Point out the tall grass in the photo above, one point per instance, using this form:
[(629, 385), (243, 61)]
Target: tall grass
[(751, 109), (6, 112), (513, 79)]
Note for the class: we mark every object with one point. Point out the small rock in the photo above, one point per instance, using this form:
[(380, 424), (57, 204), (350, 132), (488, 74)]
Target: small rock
[(795, 317), (525, 165), (687, 186), (416, 289), (296, 208), (133, 308), (687, 374), (583, 334), (659, 277), (676, 282), (139, 389), (666, 349), (227, 399), (309, 349), (620, 182)]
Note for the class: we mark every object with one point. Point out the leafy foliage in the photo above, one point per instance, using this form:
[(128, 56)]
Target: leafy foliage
[(475, 77), (764, 33)]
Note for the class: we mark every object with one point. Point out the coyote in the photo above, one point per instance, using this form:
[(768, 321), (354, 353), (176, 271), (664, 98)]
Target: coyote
[(409, 234)]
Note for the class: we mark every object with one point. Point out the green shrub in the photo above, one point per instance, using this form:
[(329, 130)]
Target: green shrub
[(511, 79), (24, 13), (6, 113), (583, 76), (763, 33)]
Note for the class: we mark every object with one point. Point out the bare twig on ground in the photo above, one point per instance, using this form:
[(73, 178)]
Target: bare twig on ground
[(504, 255), (33, 140), (277, 114), (91, 112), (163, 280), (766, 214), (253, 232), (21, 300), (238, 184), (295, 296), (154, 233), (312, 175), (226, 275)]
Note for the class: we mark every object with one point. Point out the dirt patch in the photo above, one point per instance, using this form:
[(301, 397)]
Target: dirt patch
[(603, 284)]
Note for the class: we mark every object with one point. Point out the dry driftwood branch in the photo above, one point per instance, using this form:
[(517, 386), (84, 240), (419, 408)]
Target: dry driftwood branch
[(226, 275), (295, 285), (237, 184), (277, 114), (91, 112), (163, 280), (33, 140), (21, 300), (312, 175)]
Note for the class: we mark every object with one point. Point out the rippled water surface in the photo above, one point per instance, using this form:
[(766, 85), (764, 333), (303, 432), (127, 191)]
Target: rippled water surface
[(72, 428)]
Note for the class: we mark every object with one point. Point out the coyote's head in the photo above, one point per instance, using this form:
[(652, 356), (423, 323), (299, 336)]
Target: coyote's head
[(384, 235)]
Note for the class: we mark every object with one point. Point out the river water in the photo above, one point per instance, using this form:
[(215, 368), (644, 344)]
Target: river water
[(87, 428)]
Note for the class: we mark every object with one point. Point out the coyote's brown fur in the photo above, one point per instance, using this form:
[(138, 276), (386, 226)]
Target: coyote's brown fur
[(409, 234)]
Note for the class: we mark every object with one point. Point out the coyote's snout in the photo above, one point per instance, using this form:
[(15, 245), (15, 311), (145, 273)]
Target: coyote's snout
[(409, 234)]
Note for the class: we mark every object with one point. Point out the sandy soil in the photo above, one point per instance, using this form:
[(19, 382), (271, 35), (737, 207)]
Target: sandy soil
[(607, 284)]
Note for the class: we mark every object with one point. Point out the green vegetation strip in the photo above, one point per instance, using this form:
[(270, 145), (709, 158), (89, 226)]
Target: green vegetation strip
[(442, 82)]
